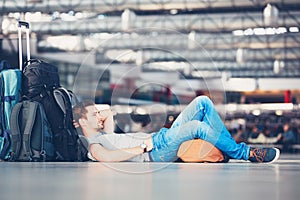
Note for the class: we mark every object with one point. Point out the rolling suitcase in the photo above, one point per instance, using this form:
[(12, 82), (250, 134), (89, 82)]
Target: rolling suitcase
[(10, 91)]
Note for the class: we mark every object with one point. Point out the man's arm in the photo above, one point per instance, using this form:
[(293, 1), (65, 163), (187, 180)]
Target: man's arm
[(104, 155)]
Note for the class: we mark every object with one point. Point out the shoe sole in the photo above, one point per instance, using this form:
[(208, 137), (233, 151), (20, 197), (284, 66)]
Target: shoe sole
[(276, 157)]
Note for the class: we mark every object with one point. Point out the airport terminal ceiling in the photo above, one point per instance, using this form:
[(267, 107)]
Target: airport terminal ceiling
[(198, 39)]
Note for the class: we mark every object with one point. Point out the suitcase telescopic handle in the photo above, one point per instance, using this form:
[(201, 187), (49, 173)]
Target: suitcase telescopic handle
[(22, 23), (26, 25)]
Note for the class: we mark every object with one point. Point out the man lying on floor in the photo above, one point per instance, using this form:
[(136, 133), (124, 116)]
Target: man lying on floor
[(198, 120)]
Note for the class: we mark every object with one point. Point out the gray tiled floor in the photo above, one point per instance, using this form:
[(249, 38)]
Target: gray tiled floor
[(234, 180)]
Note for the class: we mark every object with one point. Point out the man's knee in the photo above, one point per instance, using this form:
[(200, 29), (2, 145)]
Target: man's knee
[(203, 99)]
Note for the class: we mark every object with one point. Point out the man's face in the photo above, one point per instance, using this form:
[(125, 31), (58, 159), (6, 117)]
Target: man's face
[(94, 119)]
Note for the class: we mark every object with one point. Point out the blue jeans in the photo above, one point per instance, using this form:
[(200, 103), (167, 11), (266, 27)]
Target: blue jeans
[(198, 120)]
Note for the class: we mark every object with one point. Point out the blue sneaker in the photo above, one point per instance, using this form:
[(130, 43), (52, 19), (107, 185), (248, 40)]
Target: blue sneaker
[(264, 155)]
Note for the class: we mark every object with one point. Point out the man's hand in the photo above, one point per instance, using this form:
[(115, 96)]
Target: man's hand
[(149, 143), (102, 107), (75, 124), (105, 116)]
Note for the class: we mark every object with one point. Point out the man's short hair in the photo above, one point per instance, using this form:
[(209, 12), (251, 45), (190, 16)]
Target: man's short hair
[(80, 111)]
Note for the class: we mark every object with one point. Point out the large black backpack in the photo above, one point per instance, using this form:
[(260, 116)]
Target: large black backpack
[(32, 139), (66, 99), (41, 83), (39, 78)]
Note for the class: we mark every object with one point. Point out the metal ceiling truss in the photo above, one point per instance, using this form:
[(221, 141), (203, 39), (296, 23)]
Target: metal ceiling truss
[(289, 65), (290, 68), (151, 55), (218, 23), (166, 36), (182, 41), (48, 6)]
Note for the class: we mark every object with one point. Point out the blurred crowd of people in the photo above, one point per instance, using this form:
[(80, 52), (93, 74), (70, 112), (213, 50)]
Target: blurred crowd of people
[(284, 134), (269, 128)]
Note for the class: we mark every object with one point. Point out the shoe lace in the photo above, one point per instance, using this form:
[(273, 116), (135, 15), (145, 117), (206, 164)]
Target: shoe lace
[(259, 154)]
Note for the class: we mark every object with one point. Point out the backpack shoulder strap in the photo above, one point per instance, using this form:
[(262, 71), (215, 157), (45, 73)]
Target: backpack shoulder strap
[(73, 97), (62, 98), (28, 128), (15, 129), (46, 146)]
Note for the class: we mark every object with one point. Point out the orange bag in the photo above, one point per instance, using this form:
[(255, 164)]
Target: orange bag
[(198, 150)]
